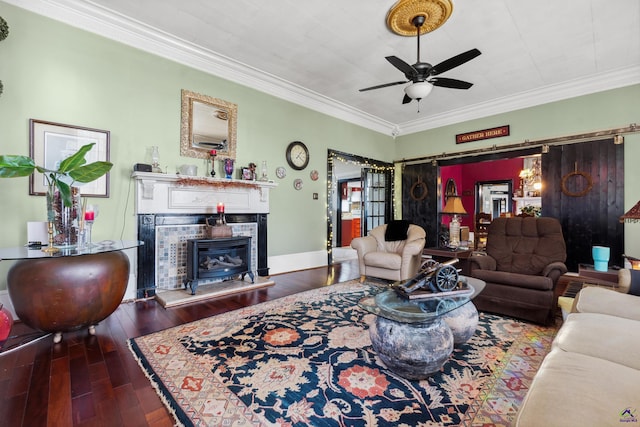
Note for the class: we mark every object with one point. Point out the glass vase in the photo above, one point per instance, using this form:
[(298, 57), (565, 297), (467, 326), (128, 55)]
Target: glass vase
[(64, 218), (228, 168)]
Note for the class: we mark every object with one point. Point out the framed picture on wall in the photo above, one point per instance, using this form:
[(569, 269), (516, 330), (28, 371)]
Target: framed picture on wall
[(50, 143)]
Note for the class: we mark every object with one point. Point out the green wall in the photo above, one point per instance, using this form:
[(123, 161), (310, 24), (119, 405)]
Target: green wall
[(58, 73), (55, 72)]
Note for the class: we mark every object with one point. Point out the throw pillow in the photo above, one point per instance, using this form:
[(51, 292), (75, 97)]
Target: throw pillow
[(634, 286), (396, 230)]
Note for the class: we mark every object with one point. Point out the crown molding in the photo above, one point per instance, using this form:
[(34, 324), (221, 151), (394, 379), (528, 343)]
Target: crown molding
[(107, 23), (96, 19), (552, 93)]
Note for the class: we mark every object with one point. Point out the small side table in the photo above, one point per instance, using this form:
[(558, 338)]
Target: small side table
[(588, 271), (445, 254), (70, 289)]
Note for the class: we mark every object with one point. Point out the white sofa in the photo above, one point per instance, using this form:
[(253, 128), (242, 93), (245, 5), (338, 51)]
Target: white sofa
[(591, 377)]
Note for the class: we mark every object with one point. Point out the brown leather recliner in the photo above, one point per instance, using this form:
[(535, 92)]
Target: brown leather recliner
[(524, 259)]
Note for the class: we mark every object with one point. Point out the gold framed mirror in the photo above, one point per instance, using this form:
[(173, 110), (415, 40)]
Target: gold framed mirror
[(207, 124)]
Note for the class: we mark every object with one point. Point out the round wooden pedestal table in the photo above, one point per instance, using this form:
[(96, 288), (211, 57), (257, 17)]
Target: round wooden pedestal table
[(68, 291)]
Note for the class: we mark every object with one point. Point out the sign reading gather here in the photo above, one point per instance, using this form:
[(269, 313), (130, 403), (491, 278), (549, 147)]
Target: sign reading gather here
[(482, 134)]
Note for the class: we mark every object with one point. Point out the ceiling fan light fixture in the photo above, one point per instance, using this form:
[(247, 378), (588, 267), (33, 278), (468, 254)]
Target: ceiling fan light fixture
[(418, 90)]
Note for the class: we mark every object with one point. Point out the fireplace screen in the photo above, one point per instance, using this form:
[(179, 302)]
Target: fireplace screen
[(223, 258)]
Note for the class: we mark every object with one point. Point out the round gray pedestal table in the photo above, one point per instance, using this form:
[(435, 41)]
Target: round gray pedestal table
[(415, 337)]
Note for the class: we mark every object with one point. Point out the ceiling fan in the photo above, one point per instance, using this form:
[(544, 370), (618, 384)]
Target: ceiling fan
[(421, 74)]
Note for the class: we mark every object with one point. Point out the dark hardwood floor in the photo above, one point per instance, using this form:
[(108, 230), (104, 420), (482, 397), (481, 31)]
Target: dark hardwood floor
[(95, 381)]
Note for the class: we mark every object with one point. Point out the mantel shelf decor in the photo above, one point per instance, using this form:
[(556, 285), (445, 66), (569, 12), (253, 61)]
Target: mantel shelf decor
[(216, 183), (178, 194)]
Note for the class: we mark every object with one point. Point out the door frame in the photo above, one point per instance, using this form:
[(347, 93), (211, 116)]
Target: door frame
[(479, 193), (332, 189)]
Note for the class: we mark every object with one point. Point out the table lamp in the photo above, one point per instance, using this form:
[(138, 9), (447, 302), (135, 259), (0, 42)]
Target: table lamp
[(454, 207)]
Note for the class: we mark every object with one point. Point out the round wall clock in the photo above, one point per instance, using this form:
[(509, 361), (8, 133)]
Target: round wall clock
[(297, 155)]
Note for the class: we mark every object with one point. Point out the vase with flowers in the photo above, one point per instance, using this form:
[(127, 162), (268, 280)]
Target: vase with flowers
[(63, 198)]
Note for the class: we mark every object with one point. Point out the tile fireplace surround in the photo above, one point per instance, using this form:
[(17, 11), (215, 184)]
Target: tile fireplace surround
[(171, 209)]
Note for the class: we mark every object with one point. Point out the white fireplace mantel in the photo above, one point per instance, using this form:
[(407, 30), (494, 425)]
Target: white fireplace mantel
[(167, 193)]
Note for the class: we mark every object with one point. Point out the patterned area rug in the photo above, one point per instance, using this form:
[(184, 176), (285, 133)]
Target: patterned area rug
[(307, 359)]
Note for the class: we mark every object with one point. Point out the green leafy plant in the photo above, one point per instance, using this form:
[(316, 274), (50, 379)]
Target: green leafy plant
[(72, 169), (531, 210)]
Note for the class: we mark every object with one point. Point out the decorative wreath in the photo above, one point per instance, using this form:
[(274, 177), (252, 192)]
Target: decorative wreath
[(584, 191), (4, 29), (423, 192)]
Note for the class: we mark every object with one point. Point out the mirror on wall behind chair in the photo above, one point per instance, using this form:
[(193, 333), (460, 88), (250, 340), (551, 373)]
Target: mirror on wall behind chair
[(207, 124)]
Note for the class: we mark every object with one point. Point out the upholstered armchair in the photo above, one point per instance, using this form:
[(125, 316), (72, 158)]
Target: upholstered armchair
[(391, 251), (524, 260)]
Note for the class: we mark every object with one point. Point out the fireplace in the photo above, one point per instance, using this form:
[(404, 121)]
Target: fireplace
[(221, 258), (172, 210)]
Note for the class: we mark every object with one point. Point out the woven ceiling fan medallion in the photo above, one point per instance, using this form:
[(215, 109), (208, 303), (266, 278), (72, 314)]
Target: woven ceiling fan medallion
[(401, 14)]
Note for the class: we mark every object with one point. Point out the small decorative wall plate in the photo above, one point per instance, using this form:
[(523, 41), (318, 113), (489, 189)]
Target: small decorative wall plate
[(314, 175), (297, 184), (281, 172)]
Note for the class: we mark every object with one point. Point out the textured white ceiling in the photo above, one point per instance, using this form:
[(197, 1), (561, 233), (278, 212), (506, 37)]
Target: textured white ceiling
[(320, 53)]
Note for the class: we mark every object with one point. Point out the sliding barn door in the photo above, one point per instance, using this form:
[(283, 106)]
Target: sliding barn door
[(420, 198), (583, 186)]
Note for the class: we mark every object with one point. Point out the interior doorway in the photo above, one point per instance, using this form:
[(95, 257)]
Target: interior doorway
[(349, 203), (494, 197), (587, 207), (359, 199)]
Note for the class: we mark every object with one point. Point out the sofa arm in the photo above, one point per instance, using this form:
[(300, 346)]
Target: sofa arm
[(593, 299), (554, 271), (481, 262)]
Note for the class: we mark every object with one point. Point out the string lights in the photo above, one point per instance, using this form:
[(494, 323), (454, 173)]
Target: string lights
[(332, 186)]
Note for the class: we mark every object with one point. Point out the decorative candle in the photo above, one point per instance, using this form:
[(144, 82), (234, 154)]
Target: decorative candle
[(220, 207), (89, 215), (212, 152)]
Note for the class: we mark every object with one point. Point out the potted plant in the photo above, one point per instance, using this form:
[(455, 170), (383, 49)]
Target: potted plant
[(535, 211), (59, 181)]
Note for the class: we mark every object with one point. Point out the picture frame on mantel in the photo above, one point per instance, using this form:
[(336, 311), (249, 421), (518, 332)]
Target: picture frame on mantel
[(50, 143)]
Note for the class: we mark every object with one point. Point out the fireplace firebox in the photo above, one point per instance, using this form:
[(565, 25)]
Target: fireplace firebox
[(221, 258)]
